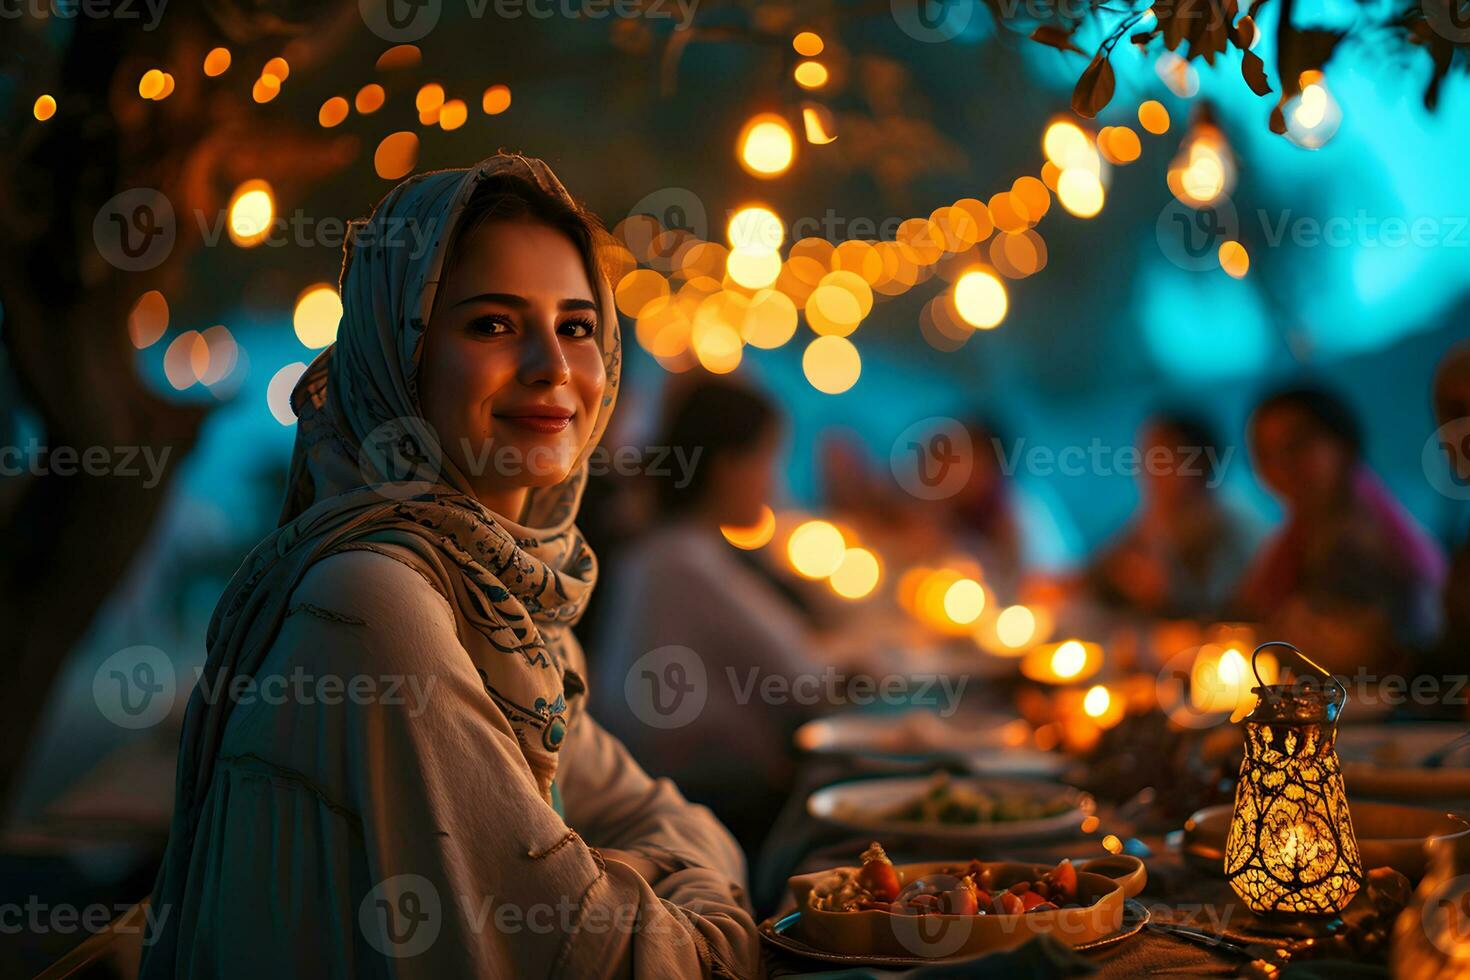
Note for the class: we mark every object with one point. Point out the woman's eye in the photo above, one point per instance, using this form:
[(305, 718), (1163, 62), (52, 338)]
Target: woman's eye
[(490, 325), (578, 328)]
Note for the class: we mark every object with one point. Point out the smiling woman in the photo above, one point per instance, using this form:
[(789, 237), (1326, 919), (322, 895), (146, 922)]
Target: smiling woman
[(489, 827), (512, 374)]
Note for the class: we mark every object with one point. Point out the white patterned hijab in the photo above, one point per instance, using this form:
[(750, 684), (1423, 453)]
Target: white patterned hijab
[(366, 474)]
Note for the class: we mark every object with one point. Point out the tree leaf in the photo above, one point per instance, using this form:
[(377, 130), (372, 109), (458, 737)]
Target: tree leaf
[(1095, 88), (1278, 120), (1254, 71), (1055, 37)]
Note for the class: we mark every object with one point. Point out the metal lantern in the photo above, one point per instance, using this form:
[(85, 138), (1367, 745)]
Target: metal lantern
[(1291, 846)]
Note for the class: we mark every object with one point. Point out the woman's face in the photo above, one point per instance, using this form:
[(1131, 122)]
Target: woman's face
[(511, 374), (1301, 464)]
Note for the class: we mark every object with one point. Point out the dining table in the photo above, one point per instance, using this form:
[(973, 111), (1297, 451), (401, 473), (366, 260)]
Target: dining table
[(1178, 896)]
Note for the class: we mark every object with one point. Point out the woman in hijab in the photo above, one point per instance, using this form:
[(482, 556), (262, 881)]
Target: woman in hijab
[(1349, 572), (387, 768)]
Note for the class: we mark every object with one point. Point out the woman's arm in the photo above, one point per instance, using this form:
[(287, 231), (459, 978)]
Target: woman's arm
[(452, 819), (613, 803)]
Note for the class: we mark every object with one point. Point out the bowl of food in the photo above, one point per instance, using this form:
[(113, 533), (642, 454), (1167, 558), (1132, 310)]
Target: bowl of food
[(950, 909), (957, 809)]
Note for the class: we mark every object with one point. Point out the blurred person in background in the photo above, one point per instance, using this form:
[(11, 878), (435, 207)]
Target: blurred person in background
[(1452, 411), (1183, 553), (685, 585), (1348, 576)]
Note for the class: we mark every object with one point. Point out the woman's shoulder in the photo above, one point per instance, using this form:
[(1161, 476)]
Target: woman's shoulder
[(379, 585)]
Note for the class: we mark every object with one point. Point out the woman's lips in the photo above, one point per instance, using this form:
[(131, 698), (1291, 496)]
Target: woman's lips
[(550, 421)]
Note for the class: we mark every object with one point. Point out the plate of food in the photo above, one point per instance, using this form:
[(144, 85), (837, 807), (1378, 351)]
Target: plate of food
[(913, 733), (1425, 762), (959, 809), (882, 913)]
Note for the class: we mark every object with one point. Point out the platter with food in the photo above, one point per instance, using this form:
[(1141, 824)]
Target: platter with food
[(953, 808), (954, 909)]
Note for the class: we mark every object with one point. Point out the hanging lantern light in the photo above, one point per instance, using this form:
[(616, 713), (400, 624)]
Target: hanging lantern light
[(1291, 847), (1312, 115), (1203, 172)]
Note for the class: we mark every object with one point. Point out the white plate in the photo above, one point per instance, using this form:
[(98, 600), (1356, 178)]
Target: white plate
[(914, 733), (855, 805)]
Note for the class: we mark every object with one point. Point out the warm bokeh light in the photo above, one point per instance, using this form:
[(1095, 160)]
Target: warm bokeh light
[(221, 354), (839, 303), (1313, 115), (1068, 659), (818, 123), (752, 269), (399, 57), (964, 601), (186, 359), (278, 392), (770, 320), (495, 100), (811, 74), (332, 112), (1234, 259), (217, 62), (266, 88), (277, 68), (1104, 706), (396, 155), (429, 97), (150, 86), (638, 289), (1153, 117), (148, 319), (453, 114), (766, 147), (1067, 146), (1081, 192), (369, 99), (1119, 144), (831, 364), (756, 536), (816, 549), (980, 299), (1015, 626), (252, 208), (808, 44), (317, 315), (44, 108), (755, 229), (716, 344), (857, 575), (1204, 170)]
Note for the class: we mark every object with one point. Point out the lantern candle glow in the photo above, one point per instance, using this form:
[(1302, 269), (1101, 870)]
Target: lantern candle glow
[(1291, 847)]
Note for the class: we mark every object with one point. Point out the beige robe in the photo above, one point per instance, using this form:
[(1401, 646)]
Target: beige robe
[(371, 814)]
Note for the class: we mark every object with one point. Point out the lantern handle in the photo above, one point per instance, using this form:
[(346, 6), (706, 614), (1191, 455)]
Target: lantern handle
[(1327, 675)]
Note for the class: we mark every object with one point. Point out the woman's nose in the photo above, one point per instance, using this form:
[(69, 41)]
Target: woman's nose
[(542, 361)]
